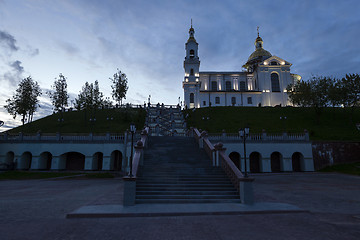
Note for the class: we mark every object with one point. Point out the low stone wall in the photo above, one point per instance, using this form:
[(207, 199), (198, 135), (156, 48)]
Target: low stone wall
[(329, 153)]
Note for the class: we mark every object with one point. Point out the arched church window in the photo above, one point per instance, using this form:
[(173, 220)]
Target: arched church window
[(191, 72), (217, 100), (228, 86), (191, 98), (275, 85), (213, 86), (192, 53)]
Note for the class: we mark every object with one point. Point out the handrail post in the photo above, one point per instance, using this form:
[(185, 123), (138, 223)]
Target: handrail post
[(139, 149), (263, 135), (218, 149), (246, 190), (201, 139), (129, 191), (306, 135)]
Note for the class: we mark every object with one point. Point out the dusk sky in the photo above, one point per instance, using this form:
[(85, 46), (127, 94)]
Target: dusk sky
[(87, 40)]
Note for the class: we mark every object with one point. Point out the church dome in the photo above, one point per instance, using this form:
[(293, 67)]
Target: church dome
[(259, 53)]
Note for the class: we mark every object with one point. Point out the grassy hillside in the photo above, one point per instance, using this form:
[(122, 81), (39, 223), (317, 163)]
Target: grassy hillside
[(331, 124), (79, 122)]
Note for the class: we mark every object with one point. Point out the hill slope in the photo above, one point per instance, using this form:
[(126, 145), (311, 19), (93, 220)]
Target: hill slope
[(331, 124), (79, 121)]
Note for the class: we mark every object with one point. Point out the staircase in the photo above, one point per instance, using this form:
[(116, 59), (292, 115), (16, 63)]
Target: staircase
[(165, 121), (175, 170)]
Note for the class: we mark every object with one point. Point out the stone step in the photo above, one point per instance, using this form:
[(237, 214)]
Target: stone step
[(172, 201), (183, 192), (178, 181), (185, 185), (188, 189), (186, 178), (138, 196)]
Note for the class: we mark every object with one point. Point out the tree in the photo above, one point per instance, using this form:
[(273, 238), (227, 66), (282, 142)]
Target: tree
[(89, 97), (350, 89), (25, 101), (311, 93), (119, 86), (59, 96)]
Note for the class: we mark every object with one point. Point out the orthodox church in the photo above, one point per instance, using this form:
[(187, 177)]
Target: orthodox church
[(263, 83)]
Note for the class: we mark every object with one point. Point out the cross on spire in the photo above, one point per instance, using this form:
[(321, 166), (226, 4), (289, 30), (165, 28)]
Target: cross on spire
[(258, 30)]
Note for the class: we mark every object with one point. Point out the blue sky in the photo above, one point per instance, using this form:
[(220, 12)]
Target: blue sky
[(88, 40)]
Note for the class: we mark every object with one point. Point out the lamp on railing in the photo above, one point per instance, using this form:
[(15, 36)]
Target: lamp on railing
[(1, 123), (132, 130), (244, 133)]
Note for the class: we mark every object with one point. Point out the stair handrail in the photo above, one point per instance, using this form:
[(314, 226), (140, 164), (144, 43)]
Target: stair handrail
[(197, 135), (228, 166), (130, 181), (209, 148), (138, 155), (241, 183)]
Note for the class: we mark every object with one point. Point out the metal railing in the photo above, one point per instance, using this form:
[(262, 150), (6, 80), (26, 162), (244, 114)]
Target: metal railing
[(57, 137), (260, 137)]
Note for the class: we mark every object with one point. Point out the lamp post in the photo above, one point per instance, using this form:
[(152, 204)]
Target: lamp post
[(1, 123), (244, 133), (284, 118), (132, 130), (92, 122), (109, 119), (60, 120)]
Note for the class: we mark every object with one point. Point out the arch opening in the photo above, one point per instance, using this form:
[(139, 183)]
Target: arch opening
[(235, 158), (276, 159), (25, 161), (45, 161), (255, 162), (297, 160), (116, 160), (98, 160), (75, 161), (9, 161)]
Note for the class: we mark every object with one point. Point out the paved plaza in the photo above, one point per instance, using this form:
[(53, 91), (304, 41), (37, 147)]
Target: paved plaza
[(37, 209)]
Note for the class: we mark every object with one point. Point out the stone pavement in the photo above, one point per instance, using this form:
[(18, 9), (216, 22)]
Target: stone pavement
[(36, 209)]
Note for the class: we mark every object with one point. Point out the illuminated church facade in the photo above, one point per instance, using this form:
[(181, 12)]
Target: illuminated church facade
[(263, 83)]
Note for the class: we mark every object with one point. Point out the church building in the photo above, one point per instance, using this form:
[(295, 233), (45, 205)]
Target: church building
[(263, 83)]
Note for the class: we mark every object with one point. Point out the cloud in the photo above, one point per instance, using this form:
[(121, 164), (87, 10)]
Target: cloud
[(69, 48), (33, 51), (8, 41), (16, 66)]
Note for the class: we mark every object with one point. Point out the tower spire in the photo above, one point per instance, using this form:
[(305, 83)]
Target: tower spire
[(191, 22), (258, 31)]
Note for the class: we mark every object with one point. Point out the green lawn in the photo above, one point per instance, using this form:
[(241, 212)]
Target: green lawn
[(347, 168), (331, 124), (25, 175), (22, 175), (79, 122)]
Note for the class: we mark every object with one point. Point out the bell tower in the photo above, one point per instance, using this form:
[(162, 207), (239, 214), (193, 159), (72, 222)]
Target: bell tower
[(191, 83)]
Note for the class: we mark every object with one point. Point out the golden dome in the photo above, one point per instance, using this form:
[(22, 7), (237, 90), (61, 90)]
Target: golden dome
[(259, 52)]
